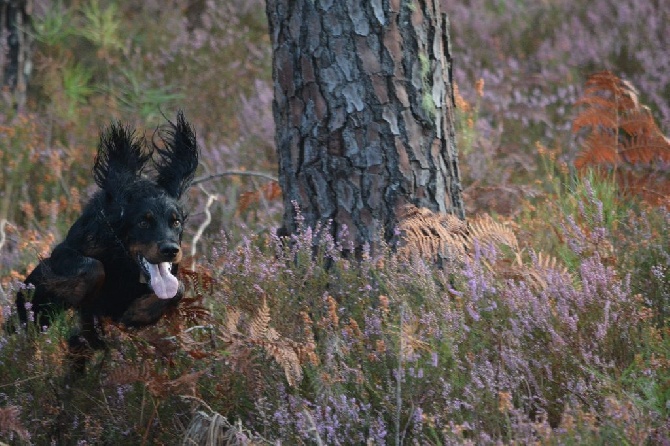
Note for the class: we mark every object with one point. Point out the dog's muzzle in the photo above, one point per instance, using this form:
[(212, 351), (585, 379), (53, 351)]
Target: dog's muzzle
[(159, 276)]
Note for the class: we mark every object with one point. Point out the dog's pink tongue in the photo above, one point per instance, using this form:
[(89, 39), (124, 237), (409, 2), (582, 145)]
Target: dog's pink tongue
[(164, 284)]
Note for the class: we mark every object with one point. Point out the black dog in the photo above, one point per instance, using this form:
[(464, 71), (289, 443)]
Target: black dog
[(120, 257)]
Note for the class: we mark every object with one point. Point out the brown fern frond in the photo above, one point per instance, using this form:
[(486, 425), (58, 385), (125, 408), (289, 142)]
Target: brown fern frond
[(623, 136), (161, 386), (243, 333), (157, 385), (272, 335), (652, 187), (596, 116), (621, 128), (547, 262), (259, 325), (645, 149), (598, 151), (185, 384), (484, 230), (201, 282), (596, 101), (443, 236), (192, 310), (537, 274), (232, 320), (606, 84), (431, 235), (638, 121), (127, 374), (286, 356), (153, 340)]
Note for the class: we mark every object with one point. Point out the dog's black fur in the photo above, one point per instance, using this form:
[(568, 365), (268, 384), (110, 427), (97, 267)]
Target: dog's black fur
[(101, 268)]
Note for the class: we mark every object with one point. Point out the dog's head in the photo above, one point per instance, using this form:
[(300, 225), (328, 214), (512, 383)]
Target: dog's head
[(145, 214)]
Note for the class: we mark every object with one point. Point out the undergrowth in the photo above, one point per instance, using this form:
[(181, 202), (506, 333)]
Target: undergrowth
[(497, 344)]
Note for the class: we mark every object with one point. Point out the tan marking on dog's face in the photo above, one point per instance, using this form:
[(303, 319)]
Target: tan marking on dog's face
[(148, 251), (178, 257)]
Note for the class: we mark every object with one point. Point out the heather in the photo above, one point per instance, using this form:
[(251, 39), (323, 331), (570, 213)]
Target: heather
[(543, 320)]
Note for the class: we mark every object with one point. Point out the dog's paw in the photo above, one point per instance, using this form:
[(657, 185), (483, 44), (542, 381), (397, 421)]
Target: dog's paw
[(148, 309)]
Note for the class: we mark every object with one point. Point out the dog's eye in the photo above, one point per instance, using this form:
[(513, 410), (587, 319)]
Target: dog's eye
[(143, 224), (176, 224)]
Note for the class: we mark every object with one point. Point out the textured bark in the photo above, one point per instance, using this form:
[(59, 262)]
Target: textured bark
[(15, 54), (364, 112)]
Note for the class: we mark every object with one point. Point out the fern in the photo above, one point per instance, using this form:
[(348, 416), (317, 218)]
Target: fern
[(157, 382), (430, 235), (438, 236), (258, 327), (623, 137), (445, 236), (127, 374), (621, 128), (486, 231), (538, 273), (244, 333)]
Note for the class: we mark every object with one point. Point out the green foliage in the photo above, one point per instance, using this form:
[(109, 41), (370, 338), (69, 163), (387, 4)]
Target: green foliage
[(76, 87), (147, 102), (53, 27), (93, 58), (102, 27)]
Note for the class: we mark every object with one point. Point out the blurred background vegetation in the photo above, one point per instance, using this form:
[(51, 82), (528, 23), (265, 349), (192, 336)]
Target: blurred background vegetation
[(519, 67)]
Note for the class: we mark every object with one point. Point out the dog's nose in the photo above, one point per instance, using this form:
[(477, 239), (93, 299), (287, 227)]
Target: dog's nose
[(169, 250)]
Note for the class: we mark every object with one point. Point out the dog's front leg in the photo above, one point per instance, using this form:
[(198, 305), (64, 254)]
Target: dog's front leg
[(66, 279), (83, 343), (148, 309)]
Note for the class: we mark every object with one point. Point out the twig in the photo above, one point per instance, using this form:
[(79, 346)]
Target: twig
[(211, 198), (197, 400), (145, 437), (244, 173), (319, 442), (3, 239), (3, 235), (21, 381), (398, 389)]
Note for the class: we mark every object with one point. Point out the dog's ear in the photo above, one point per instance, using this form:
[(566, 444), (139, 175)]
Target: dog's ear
[(121, 157), (178, 158)]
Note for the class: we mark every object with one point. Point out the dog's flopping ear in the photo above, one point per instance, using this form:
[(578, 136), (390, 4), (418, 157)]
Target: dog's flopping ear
[(121, 157), (178, 159)]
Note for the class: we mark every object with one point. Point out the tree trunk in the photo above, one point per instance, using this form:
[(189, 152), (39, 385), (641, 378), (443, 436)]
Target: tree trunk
[(364, 112), (15, 54)]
